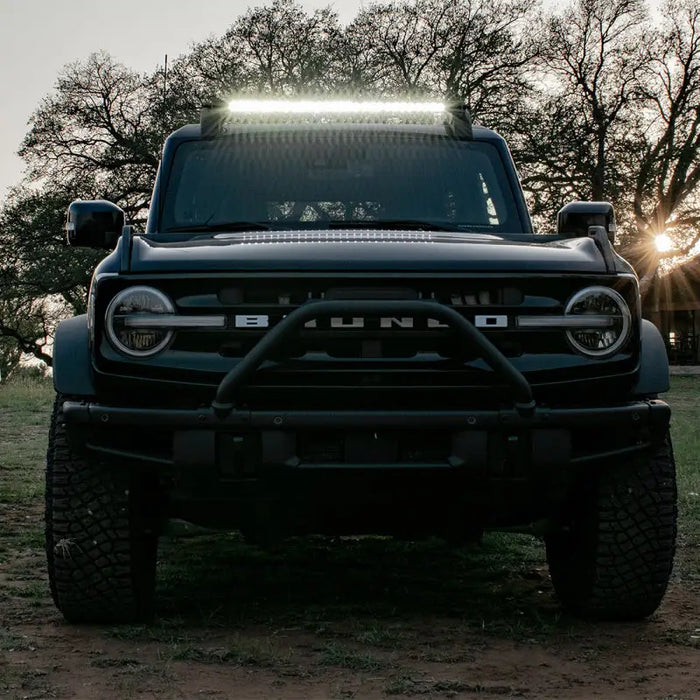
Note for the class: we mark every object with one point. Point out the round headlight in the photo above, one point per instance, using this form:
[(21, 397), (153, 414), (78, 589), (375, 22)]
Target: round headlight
[(127, 321), (598, 302)]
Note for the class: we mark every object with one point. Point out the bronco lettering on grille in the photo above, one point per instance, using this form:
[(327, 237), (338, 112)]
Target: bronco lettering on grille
[(355, 322)]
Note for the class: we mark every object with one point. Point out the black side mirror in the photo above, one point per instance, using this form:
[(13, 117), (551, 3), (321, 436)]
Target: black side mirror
[(577, 217), (94, 224)]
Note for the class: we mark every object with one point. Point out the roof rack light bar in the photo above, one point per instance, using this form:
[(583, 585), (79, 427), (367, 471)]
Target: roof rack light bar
[(457, 118), (332, 107)]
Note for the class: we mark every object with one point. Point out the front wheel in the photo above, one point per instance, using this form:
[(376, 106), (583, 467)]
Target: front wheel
[(611, 555), (101, 551)]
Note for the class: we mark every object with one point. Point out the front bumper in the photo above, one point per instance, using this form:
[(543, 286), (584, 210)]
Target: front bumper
[(384, 472), (543, 436)]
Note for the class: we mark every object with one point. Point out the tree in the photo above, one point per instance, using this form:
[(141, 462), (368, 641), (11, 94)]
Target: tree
[(10, 355), (666, 197), (41, 279), (284, 50), (278, 49), (619, 120), (474, 50), (96, 134), (487, 58), (398, 43), (591, 63), (95, 137)]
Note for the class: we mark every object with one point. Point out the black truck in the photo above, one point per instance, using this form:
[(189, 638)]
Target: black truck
[(347, 326)]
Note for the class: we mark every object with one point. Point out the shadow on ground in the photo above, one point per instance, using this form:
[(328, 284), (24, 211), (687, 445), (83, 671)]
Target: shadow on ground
[(500, 584)]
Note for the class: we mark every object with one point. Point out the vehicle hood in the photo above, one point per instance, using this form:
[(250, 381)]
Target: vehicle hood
[(362, 250)]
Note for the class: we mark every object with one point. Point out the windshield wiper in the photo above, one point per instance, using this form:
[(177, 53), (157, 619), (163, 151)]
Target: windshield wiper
[(393, 225), (220, 226)]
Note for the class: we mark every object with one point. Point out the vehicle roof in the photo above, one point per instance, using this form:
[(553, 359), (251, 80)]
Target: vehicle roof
[(192, 131)]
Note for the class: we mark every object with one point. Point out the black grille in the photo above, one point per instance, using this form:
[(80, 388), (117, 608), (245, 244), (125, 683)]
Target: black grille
[(366, 337), (376, 362)]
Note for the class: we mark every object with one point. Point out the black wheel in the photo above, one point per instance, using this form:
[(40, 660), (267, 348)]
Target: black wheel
[(611, 557), (100, 547)]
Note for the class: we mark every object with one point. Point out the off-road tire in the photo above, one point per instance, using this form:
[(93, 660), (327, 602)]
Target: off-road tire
[(612, 555), (101, 543)]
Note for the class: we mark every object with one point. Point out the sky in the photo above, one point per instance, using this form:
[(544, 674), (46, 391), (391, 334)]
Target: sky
[(39, 37)]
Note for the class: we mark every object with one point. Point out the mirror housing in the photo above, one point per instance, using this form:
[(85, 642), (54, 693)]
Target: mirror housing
[(94, 224), (576, 218)]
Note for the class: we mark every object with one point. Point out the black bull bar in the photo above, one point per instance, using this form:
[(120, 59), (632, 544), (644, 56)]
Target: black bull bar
[(469, 336)]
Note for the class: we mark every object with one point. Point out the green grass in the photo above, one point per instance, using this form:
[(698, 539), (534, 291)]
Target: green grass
[(386, 636), (313, 580), (10, 641), (685, 430), (25, 407)]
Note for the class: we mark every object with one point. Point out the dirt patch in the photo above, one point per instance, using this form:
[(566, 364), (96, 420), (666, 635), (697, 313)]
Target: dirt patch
[(340, 619)]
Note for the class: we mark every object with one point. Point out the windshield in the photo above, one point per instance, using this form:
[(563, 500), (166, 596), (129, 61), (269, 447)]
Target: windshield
[(312, 179)]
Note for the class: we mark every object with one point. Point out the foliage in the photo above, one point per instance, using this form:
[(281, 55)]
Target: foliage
[(41, 279), (476, 51), (589, 70), (96, 135), (619, 120), (666, 197)]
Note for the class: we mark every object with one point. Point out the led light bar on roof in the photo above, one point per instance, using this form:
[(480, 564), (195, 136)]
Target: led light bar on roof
[(213, 118), (332, 107)]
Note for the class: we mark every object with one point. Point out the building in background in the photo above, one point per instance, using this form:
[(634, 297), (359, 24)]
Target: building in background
[(672, 303)]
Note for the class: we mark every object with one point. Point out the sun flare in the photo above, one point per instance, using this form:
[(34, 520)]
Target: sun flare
[(663, 243)]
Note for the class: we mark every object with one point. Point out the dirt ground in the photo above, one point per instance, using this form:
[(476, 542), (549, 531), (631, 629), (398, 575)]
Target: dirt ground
[(343, 620)]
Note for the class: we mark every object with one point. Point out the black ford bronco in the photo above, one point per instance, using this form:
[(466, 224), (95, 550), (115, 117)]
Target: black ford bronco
[(345, 327)]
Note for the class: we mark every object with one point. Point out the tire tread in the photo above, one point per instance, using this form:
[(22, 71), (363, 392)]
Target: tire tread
[(101, 563), (614, 558)]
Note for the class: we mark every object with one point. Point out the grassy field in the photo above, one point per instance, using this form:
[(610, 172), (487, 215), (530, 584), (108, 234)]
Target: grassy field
[(25, 408), (361, 606), (685, 402)]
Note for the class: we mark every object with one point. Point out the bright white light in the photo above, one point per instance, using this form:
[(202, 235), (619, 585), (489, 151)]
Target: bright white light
[(663, 243), (332, 107)]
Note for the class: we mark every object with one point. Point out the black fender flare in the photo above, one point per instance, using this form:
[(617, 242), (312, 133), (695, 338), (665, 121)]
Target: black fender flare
[(72, 364), (653, 377)]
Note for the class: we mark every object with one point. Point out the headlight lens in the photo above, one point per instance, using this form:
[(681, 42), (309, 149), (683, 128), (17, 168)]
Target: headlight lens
[(137, 341), (599, 301)]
